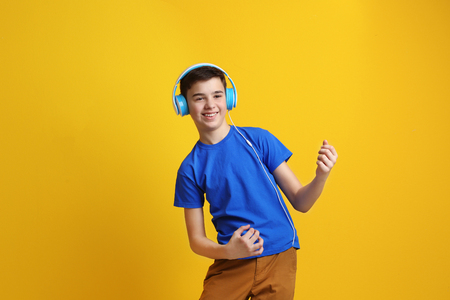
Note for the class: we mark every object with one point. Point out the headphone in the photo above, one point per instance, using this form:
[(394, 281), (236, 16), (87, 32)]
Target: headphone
[(179, 102)]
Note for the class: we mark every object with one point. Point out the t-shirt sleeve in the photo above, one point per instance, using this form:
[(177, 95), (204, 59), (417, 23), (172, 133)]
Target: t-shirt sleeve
[(187, 193), (274, 152)]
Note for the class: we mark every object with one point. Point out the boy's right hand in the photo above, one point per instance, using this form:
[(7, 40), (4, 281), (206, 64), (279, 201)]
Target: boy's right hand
[(249, 244)]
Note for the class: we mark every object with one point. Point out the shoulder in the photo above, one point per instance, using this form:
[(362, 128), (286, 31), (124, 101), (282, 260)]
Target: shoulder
[(258, 135), (255, 131), (188, 162)]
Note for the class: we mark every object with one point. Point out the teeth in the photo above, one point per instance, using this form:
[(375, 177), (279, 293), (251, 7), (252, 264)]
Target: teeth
[(209, 115)]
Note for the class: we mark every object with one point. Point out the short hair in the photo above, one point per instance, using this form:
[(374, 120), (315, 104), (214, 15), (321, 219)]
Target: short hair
[(200, 74)]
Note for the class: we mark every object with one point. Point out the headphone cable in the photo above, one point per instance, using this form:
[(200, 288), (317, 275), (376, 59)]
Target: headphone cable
[(267, 175)]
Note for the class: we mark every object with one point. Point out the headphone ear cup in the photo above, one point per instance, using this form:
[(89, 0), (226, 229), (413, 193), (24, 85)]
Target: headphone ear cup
[(231, 102), (182, 105)]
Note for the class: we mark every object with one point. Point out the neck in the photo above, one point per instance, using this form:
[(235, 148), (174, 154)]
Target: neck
[(213, 137)]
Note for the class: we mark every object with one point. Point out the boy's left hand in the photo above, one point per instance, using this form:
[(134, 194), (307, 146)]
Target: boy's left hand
[(326, 159)]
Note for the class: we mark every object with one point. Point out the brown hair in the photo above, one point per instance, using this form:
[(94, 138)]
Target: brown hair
[(200, 74)]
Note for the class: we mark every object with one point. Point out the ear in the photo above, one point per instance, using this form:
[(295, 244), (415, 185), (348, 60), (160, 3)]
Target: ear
[(231, 103), (182, 105)]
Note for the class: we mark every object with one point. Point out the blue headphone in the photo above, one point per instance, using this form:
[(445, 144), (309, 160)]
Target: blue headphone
[(179, 102)]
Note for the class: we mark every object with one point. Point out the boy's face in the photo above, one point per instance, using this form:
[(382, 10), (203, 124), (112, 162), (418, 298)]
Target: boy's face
[(207, 105)]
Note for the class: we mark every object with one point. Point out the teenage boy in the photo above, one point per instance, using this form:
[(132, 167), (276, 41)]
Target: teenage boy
[(238, 169)]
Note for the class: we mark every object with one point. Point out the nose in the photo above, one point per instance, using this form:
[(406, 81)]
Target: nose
[(210, 102)]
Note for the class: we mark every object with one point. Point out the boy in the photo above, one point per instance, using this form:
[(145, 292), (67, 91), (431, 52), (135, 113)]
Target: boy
[(238, 170)]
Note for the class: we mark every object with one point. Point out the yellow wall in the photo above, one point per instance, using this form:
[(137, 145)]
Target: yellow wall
[(90, 145)]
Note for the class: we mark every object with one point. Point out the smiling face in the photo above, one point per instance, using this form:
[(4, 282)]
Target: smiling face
[(207, 107)]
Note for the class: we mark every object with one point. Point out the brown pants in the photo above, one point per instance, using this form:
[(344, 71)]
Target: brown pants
[(268, 277)]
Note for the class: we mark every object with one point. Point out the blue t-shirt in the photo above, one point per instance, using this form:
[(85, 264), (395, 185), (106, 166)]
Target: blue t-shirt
[(236, 187)]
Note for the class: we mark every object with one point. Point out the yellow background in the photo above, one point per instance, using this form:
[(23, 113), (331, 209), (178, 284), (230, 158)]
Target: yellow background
[(90, 145)]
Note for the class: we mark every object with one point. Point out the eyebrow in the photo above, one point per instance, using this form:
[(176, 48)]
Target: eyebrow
[(203, 94)]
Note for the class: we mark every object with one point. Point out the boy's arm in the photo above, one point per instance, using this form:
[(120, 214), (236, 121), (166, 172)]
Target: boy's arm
[(239, 246), (301, 197)]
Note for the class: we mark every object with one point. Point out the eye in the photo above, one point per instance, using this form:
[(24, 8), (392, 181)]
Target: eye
[(218, 96), (198, 98)]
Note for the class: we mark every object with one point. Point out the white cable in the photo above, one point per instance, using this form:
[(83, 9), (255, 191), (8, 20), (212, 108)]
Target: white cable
[(267, 175)]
